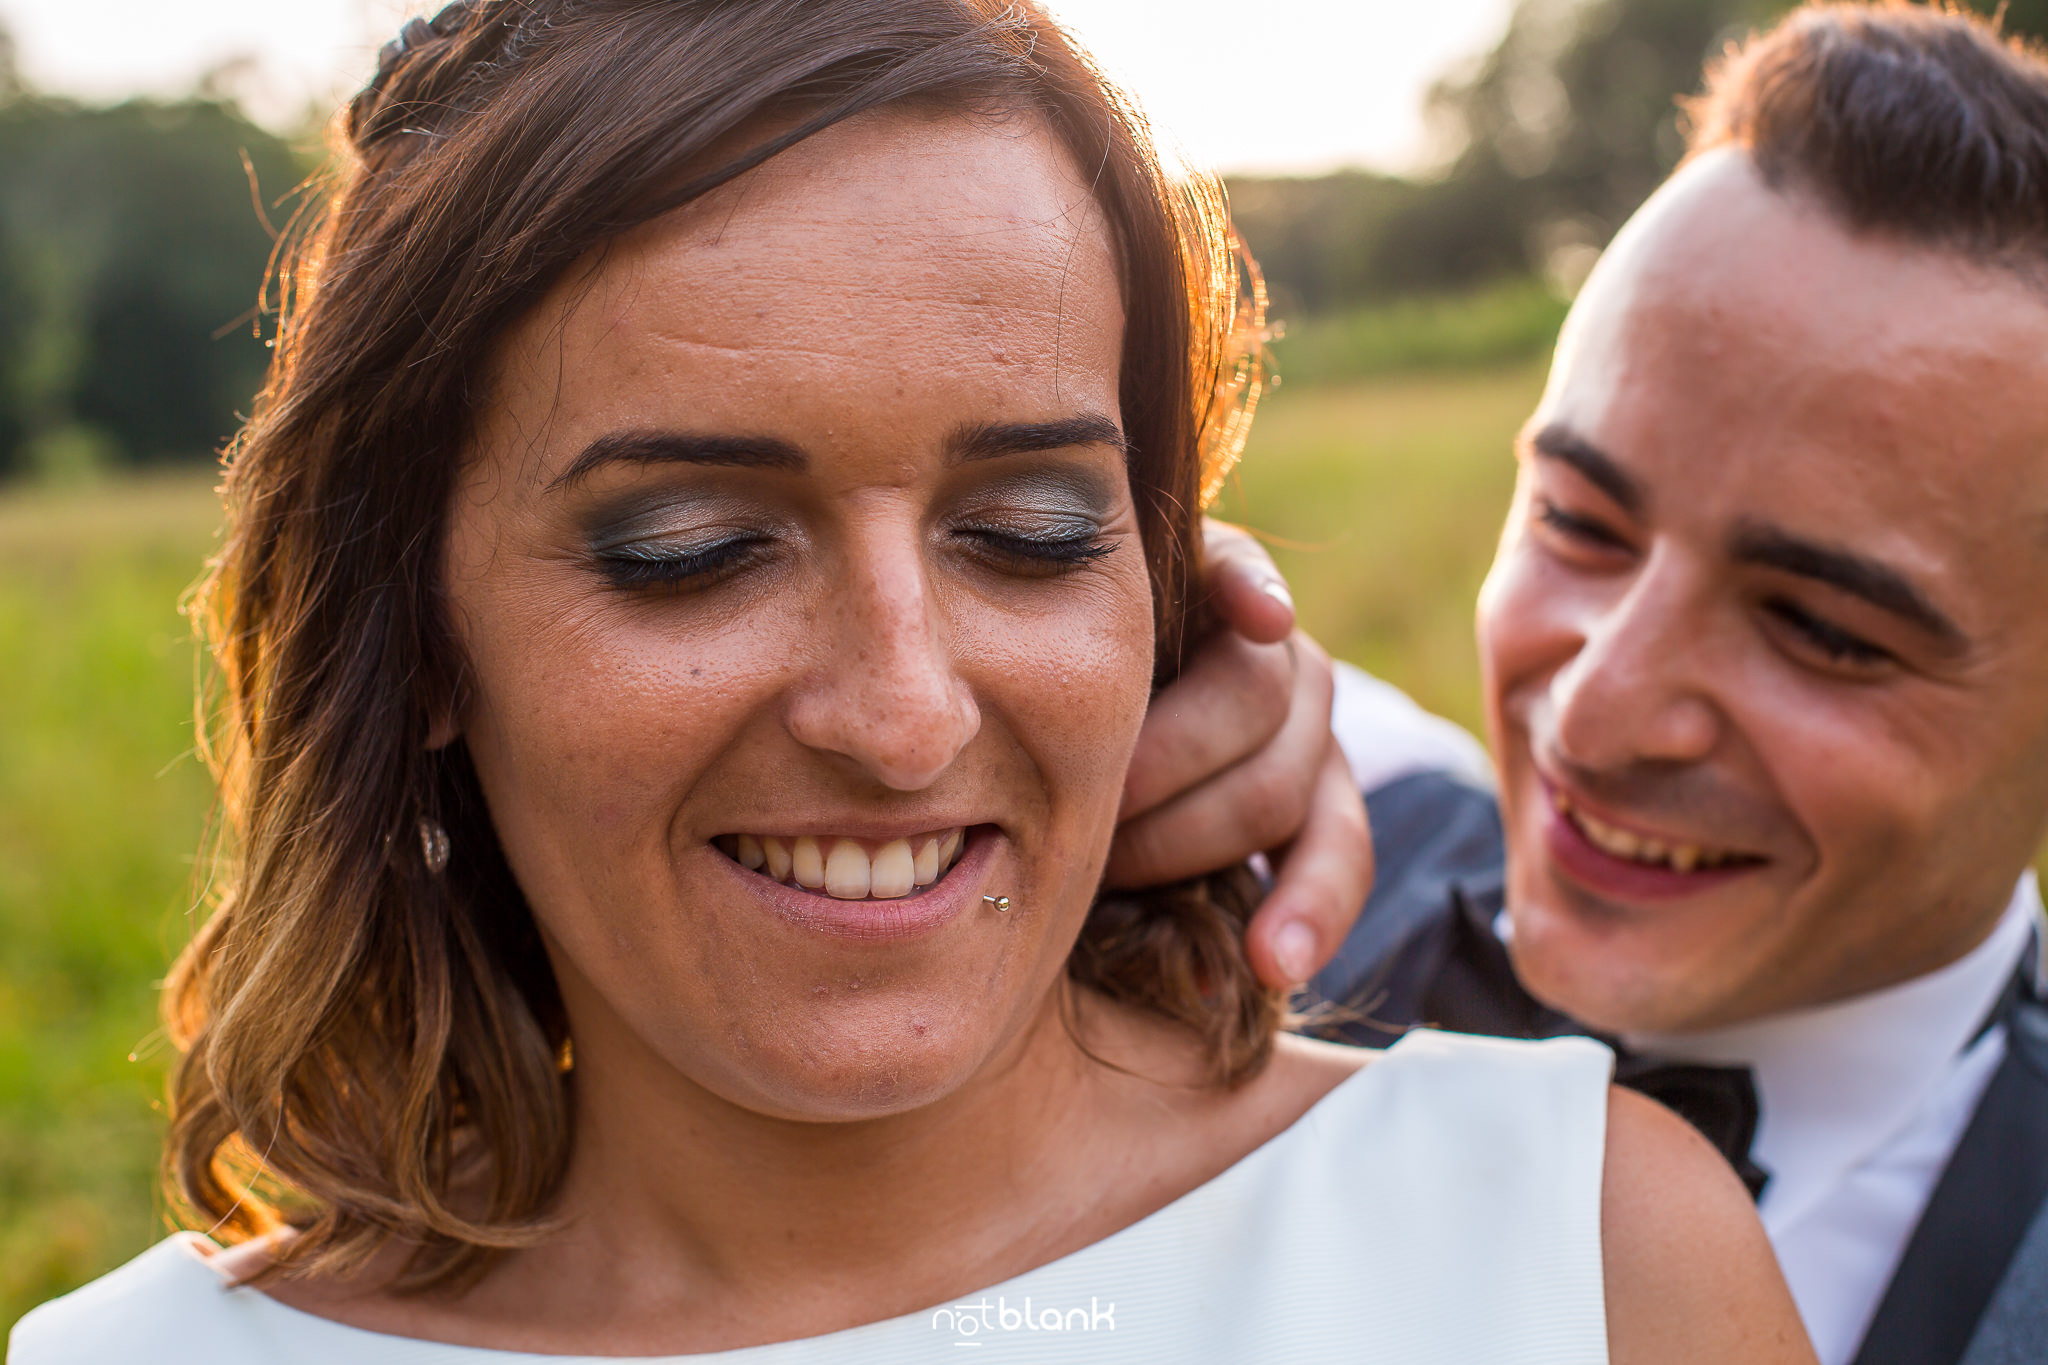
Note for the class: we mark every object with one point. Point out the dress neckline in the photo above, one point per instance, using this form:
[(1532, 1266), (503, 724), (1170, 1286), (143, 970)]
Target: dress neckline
[(194, 1249)]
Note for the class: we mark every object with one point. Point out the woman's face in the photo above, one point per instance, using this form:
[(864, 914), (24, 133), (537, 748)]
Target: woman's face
[(796, 565)]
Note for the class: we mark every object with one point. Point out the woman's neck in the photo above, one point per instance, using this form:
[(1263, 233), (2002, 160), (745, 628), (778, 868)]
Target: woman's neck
[(755, 1199), (692, 1223), (687, 1223)]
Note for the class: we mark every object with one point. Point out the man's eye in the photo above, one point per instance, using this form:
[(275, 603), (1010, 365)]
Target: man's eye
[(655, 564), (1831, 640), (1585, 530)]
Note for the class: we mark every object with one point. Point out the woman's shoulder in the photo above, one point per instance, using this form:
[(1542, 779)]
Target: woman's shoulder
[(148, 1310), (1690, 1274)]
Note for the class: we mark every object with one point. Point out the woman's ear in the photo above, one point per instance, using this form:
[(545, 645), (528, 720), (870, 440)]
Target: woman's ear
[(442, 688), (444, 727), (446, 701)]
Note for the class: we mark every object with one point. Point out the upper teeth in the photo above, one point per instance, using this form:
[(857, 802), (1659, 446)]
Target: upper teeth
[(846, 868), (1639, 848)]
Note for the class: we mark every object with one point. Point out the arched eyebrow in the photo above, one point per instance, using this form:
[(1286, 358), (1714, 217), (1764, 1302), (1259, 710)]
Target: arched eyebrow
[(679, 447), (992, 440), (977, 441)]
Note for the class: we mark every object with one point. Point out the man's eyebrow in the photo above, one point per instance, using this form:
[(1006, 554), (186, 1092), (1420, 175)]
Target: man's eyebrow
[(990, 440), (1858, 575), (1561, 443), (680, 447)]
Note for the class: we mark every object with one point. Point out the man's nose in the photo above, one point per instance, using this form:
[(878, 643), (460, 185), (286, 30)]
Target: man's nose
[(885, 692), (1638, 689)]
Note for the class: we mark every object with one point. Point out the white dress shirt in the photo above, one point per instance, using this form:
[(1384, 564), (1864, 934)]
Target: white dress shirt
[(1861, 1102), (1385, 736)]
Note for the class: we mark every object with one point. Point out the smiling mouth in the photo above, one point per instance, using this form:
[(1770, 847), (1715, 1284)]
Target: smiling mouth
[(1646, 851), (848, 869)]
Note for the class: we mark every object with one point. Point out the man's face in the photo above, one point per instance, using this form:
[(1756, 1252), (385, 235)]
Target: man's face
[(1766, 643)]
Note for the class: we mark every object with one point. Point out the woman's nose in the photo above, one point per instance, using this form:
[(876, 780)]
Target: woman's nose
[(1636, 690), (885, 693)]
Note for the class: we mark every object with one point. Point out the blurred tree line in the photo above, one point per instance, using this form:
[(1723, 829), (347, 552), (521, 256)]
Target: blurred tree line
[(1556, 136), (131, 250), (132, 243)]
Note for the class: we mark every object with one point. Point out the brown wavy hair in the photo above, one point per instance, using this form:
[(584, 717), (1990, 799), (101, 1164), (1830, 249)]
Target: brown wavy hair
[(377, 1055)]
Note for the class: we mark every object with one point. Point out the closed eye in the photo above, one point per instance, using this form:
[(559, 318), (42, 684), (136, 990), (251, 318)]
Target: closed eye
[(1840, 646), (648, 565), (1041, 555), (1585, 530)]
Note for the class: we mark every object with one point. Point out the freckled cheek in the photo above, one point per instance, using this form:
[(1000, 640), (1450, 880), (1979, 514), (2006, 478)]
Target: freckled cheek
[(1072, 685), (598, 722)]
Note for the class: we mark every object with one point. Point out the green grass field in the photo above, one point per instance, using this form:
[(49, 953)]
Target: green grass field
[(1383, 499), (1381, 502), (101, 808)]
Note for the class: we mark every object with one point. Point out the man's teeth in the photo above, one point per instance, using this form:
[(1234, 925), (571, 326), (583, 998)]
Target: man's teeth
[(846, 868), (1636, 848)]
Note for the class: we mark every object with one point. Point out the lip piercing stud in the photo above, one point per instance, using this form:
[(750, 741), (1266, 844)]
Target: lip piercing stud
[(1000, 904)]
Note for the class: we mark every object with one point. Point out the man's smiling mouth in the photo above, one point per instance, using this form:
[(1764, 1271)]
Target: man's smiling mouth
[(1645, 850), (845, 868)]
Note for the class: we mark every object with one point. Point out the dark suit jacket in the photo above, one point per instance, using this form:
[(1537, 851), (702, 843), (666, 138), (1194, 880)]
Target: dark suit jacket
[(1424, 952)]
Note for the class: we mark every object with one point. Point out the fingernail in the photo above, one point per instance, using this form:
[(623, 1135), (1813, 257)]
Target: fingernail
[(1276, 588), (1294, 948)]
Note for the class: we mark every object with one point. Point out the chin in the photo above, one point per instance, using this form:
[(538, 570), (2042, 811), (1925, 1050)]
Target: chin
[(1610, 973), (851, 1092), (854, 1061)]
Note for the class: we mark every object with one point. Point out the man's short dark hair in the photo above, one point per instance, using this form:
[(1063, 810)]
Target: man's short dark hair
[(1900, 118)]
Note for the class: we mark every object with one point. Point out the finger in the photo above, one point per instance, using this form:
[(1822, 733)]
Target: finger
[(1230, 701), (1321, 885), (1239, 577), (1258, 803)]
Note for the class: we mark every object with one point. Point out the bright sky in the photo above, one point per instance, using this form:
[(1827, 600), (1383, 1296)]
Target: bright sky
[(1294, 85)]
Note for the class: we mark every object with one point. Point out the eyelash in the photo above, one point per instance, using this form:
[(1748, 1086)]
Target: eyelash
[(1838, 644), (1045, 555), (1578, 527), (647, 567)]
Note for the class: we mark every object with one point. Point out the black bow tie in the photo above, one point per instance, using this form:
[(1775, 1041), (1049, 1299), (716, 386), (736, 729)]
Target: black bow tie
[(1720, 1101)]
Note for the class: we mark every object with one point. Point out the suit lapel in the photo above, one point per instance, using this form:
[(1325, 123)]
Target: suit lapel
[(2015, 1327), (1993, 1189), (1435, 838), (1476, 990)]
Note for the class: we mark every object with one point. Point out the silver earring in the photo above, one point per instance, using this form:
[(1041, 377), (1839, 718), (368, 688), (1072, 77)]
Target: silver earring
[(1000, 904), (434, 847)]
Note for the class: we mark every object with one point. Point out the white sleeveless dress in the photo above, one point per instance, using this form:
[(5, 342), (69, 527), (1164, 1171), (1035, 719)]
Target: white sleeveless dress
[(1441, 1207)]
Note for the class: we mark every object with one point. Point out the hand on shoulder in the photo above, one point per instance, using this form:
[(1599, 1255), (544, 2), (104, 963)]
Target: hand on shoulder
[(1690, 1276)]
